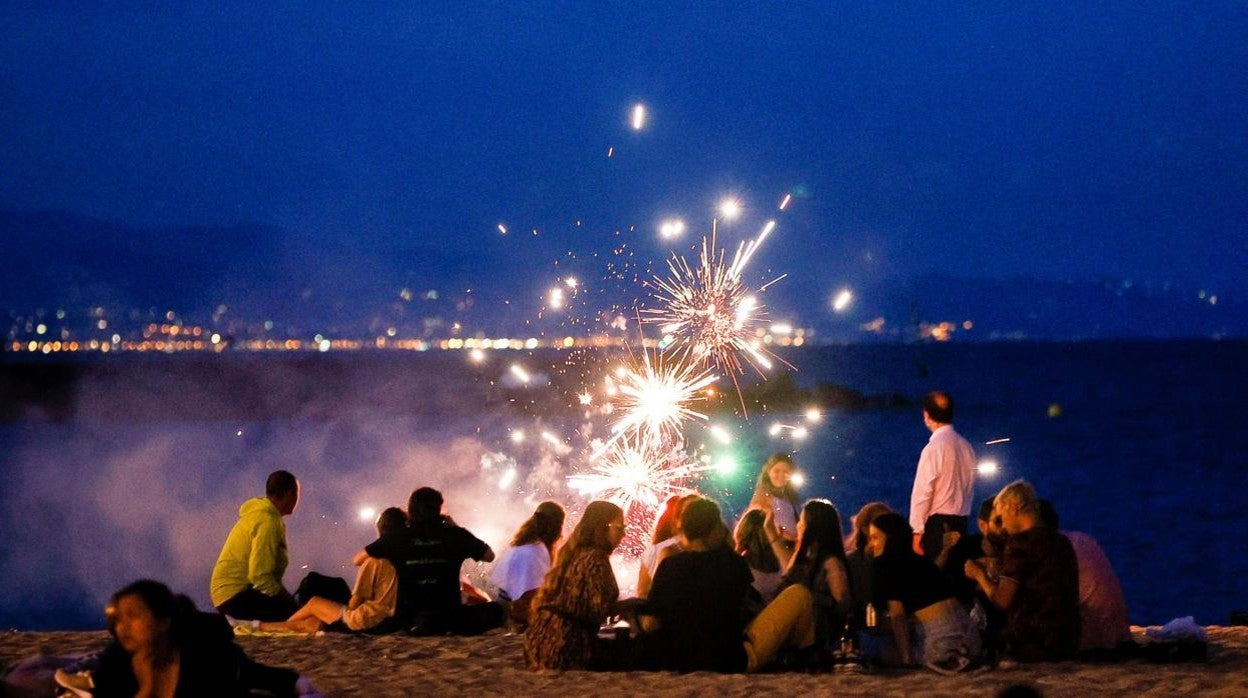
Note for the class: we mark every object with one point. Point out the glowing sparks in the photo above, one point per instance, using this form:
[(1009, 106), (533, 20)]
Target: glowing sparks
[(730, 209), (502, 229), (654, 397), (585, 399), (639, 117), (671, 229), (521, 375), (721, 434), (517, 436), (997, 441), (987, 467), (708, 311), (636, 472), (784, 203), (797, 479), (813, 415), (368, 514), (555, 298), (571, 282), (842, 300), (476, 356)]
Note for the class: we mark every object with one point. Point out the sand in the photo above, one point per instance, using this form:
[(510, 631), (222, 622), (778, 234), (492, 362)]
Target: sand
[(343, 665)]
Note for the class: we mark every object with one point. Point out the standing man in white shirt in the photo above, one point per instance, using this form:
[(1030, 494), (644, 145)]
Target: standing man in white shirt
[(944, 483)]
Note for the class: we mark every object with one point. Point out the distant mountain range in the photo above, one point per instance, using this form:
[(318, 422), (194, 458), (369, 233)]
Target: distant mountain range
[(242, 275)]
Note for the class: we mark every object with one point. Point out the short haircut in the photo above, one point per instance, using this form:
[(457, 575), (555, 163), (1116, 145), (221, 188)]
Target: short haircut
[(1021, 496), (985, 509), (392, 520), (280, 484), (425, 505), (700, 518), (939, 406)]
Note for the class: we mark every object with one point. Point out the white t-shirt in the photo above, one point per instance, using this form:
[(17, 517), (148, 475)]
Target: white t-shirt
[(521, 569)]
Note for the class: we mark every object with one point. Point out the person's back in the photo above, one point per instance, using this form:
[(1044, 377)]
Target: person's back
[(1042, 624), (699, 596), (428, 561), (428, 557), (247, 577), (1102, 606)]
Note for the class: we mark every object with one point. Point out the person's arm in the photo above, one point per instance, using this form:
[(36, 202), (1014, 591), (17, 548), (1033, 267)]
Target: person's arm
[(779, 544), (838, 580), (921, 493), (266, 547), (359, 558), (948, 541), (1001, 592)]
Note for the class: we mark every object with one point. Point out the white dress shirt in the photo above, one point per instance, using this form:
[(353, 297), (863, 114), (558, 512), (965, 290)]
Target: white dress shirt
[(945, 480)]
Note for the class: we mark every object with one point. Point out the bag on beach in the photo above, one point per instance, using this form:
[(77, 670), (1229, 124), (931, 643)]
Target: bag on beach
[(335, 589)]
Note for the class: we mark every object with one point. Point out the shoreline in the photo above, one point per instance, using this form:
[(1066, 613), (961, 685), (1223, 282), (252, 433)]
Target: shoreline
[(396, 665)]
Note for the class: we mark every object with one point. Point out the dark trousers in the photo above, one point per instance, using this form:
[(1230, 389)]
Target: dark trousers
[(254, 605), (934, 530)]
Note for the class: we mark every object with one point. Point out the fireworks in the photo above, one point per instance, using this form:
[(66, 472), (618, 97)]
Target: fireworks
[(638, 473), (708, 312), (654, 397)]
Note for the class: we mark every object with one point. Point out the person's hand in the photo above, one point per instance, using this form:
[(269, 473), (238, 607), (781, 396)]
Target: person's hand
[(950, 539), (918, 543), (973, 570)]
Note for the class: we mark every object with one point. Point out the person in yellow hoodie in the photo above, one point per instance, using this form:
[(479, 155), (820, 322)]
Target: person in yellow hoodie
[(247, 579)]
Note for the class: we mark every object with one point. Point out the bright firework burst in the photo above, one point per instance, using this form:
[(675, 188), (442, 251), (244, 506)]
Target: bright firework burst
[(709, 312), (638, 473), (654, 397)]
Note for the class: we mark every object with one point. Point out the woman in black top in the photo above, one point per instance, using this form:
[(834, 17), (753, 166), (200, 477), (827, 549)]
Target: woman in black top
[(905, 585)]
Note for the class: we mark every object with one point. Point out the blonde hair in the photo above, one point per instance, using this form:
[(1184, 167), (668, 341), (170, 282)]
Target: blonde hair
[(1020, 496)]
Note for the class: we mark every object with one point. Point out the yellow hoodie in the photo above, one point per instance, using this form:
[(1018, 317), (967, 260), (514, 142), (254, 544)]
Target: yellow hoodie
[(254, 554)]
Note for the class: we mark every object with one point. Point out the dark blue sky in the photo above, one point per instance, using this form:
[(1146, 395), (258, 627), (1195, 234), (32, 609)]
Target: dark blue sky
[(1055, 140)]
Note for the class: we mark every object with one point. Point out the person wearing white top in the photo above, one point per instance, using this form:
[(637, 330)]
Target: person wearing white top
[(522, 567), (944, 482)]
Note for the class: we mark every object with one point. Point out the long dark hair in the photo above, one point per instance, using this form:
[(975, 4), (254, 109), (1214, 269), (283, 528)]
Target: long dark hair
[(750, 540), (820, 540), (591, 530), (857, 539), (898, 536), (544, 526), (163, 604)]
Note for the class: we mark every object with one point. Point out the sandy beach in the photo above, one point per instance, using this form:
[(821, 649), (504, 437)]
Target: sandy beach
[(343, 665)]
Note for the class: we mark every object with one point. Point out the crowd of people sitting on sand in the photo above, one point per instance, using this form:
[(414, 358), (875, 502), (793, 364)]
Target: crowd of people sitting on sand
[(785, 589)]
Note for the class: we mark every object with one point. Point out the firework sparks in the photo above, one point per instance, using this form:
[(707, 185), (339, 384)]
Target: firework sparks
[(655, 395), (708, 312), (638, 473)]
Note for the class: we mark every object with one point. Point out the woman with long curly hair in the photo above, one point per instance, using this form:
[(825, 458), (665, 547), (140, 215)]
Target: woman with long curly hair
[(578, 594)]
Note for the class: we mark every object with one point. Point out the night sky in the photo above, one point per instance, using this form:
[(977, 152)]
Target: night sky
[(1048, 140)]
